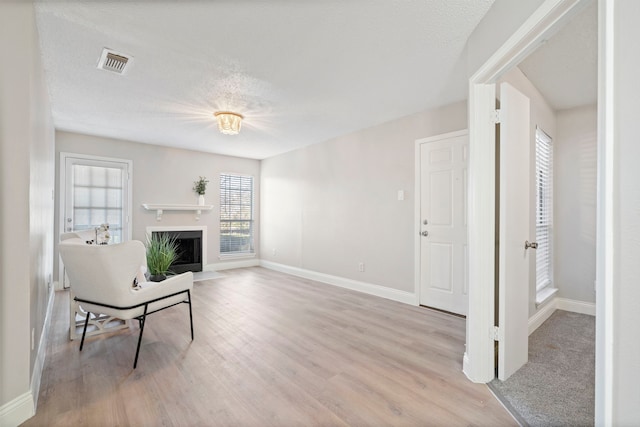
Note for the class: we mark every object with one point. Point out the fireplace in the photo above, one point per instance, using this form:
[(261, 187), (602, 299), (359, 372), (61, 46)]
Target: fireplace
[(191, 243)]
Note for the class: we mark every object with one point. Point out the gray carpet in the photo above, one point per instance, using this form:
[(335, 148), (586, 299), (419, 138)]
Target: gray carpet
[(556, 386)]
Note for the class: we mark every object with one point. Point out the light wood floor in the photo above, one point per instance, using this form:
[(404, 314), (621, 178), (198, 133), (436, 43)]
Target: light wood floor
[(269, 350)]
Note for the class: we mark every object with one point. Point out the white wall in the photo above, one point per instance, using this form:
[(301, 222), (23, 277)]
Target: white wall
[(575, 177), (26, 206), (544, 116), (166, 175), (330, 206), (501, 21)]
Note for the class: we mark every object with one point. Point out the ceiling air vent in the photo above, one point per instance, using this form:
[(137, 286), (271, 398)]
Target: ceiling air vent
[(113, 61)]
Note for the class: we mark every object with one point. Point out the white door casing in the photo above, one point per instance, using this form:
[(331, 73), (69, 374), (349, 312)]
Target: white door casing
[(442, 218), (513, 270)]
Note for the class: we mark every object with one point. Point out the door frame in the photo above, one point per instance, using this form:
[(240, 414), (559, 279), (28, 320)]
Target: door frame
[(63, 194), (478, 359), (417, 248)]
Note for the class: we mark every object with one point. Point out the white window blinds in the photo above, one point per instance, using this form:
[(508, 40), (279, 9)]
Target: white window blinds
[(236, 214), (544, 210), (97, 198)]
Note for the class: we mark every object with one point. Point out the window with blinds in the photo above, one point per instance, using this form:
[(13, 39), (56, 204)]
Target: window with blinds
[(236, 214), (544, 210)]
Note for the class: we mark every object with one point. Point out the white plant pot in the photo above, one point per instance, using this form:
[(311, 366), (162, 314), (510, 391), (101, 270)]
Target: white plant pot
[(201, 200)]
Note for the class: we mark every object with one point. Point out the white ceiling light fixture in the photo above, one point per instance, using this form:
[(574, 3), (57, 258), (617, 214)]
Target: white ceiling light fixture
[(229, 123)]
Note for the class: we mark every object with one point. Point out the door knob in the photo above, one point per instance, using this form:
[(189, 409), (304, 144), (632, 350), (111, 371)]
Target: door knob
[(532, 245), (425, 233)]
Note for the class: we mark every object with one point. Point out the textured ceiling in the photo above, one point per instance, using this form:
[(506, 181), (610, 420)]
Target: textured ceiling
[(565, 69), (301, 72)]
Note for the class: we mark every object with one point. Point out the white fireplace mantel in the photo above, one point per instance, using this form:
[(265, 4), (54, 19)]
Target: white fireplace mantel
[(161, 207)]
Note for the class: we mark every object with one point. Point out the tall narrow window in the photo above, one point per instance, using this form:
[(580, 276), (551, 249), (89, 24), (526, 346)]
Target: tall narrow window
[(236, 214), (544, 210)]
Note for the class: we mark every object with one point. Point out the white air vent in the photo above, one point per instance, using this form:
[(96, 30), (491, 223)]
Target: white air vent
[(114, 61)]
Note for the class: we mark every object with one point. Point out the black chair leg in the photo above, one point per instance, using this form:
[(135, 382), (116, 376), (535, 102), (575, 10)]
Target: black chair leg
[(142, 322), (84, 330), (190, 313)]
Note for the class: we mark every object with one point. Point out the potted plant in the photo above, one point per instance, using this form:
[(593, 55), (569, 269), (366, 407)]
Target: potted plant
[(162, 251), (200, 186)]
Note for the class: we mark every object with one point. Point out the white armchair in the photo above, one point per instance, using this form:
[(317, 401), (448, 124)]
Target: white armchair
[(102, 279)]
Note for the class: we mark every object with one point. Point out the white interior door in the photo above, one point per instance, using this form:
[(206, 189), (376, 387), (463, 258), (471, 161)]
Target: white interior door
[(443, 222), (513, 271)]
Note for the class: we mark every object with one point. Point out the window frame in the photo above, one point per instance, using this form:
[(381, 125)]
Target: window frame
[(251, 251), (544, 207)]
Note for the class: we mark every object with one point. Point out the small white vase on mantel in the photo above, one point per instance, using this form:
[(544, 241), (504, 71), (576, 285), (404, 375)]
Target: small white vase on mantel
[(201, 200)]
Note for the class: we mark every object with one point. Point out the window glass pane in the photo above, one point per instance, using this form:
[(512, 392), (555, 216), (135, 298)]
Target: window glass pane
[(544, 210), (114, 177), (114, 198), (236, 214), (81, 218), (98, 176), (81, 197), (81, 175), (97, 198)]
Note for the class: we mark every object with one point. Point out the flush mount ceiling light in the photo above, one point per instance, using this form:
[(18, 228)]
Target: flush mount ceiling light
[(229, 123)]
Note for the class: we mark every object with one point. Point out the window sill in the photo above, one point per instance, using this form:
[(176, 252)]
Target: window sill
[(543, 295), (237, 255)]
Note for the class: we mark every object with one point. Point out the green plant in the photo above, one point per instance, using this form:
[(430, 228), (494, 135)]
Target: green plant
[(200, 186), (162, 251)]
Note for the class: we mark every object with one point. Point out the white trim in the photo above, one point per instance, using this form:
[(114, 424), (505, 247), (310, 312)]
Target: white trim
[(242, 263), (480, 319), (575, 306), (605, 217), (354, 285), (41, 356), (236, 255), (544, 294), (18, 410), (418, 203), (565, 304), (480, 349), (542, 315)]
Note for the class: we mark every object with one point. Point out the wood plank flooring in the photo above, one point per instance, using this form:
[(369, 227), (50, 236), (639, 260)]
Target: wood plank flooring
[(270, 350)]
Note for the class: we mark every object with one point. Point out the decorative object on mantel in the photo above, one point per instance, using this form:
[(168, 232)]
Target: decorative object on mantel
[(161, 207), (200, 186), (228, 122), (162, 251)]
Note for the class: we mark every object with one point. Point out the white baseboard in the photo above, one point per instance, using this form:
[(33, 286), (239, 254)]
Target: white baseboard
[(17, 411), (367, 288), (576, 306), (42, 351), (23, 407), (228, 265), (542, 315), (560, 304)]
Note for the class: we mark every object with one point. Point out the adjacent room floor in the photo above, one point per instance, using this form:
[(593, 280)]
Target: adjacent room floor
[(557, 386), (269, 349)]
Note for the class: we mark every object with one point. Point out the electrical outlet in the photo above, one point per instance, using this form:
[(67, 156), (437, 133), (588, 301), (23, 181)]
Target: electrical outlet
[(361, 266), (274, 252), (33, 338)]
